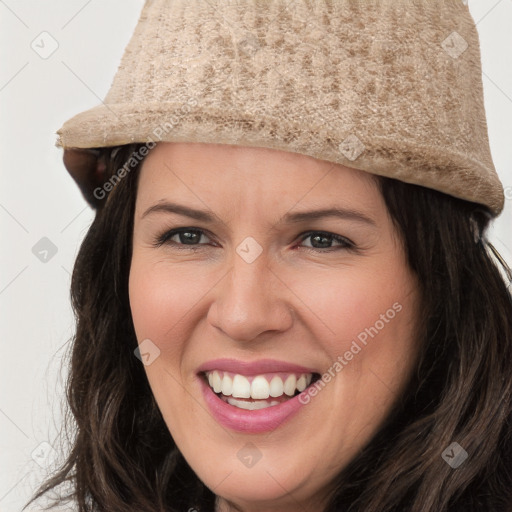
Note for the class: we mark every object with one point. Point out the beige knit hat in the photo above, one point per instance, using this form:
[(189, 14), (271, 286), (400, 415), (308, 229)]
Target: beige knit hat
[(391, 87)]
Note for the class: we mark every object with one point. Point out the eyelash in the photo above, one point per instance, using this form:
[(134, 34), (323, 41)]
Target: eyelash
[(165, 237)]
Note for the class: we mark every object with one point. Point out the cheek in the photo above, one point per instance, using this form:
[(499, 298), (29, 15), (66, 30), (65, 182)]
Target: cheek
[(365, 323), (161, 298), (162, 301), (348, 302), (371, 343)]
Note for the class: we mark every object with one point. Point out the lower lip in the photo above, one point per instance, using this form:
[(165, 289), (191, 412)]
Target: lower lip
[(249, 422)]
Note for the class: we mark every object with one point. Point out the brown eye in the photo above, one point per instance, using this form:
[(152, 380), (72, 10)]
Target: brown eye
[(324, 240), (181, 236)]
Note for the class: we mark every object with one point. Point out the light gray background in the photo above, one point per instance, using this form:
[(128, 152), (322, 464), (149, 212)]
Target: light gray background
[(38, 199)]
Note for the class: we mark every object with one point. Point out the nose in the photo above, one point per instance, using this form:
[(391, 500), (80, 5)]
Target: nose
[(250, 300)]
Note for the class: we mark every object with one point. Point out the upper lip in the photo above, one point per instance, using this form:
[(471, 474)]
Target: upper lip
[(253, 367)]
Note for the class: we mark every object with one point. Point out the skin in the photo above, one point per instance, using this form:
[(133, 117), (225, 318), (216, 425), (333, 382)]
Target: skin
[(296, 302)]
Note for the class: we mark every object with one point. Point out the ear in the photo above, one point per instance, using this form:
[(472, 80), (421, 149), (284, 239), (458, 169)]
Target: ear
[(87, 167)]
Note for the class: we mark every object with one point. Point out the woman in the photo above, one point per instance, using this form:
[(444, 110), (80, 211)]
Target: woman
[(286, 300)]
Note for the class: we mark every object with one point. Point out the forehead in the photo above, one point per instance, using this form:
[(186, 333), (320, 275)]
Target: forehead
[(249, 177)]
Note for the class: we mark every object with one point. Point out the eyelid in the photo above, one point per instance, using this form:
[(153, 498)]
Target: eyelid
[(344, 242), (164, 237)]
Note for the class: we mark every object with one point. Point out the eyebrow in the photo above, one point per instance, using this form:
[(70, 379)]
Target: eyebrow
[(165, 207), (289, 218)]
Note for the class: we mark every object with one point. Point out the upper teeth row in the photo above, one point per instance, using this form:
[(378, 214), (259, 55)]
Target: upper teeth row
[(239, 386)]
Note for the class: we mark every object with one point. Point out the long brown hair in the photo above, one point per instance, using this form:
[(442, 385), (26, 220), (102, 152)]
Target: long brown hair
[(123, 457)]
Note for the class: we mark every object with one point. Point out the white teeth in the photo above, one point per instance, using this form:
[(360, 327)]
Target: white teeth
[(227, 385), (239, 386), (289, 385), (251, 406), (260, 388), (301, 383), (276, 387), (217, 383)]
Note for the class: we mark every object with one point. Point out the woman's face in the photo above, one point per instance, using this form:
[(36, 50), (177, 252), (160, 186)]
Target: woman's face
[(286, 268)]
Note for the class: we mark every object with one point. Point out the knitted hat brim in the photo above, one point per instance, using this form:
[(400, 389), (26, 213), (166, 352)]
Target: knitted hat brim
[(454, 173)]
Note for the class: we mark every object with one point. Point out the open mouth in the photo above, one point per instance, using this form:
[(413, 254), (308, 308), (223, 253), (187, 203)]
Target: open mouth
[(257, 391)]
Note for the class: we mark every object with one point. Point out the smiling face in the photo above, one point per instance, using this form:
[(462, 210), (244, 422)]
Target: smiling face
[(321, 299)]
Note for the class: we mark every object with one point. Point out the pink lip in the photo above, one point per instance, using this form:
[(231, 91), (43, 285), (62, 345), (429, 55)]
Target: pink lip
[(253, 368), (249, 422)]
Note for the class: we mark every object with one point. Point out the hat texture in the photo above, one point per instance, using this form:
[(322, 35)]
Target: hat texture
[(391, 87)]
